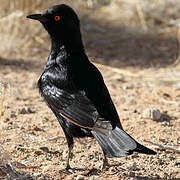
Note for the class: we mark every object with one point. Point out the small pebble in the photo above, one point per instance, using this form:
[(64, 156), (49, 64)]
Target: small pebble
[(126, 86), (148, 91), (13, 115), (80, 177), (94, 178), (38, 129), (120, 77), (45, 149), (122, 100), (160, 161), (151, 113), (130, 100), (26, 110), (36, 174), (38, 153), (131, 166)]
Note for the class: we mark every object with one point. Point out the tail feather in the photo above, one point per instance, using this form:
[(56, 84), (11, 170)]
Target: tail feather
[(142, 149), (118, 143)]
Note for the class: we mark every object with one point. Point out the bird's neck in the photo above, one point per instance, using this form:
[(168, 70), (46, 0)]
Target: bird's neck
[(72, 45), (55, 47)]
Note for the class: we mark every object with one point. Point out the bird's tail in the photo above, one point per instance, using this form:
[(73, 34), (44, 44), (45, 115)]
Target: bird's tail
[(118, 143)]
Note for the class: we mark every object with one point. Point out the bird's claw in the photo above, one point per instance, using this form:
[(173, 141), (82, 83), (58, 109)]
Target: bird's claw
[(67, 167), (69, 170)]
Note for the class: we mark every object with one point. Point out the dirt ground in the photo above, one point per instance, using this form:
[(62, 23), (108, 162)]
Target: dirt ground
[(140, 75), (30, 129)]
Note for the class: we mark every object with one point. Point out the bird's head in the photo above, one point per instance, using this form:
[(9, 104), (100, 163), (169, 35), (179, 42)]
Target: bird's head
[(61, 22)]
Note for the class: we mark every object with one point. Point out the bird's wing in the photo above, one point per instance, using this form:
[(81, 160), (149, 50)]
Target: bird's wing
[(74, 107)]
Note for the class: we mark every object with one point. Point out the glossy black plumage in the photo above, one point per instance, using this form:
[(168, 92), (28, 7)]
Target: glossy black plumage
[(75, 91)]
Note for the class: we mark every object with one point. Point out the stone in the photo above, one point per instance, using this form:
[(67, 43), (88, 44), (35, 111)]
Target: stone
[(151, 113)]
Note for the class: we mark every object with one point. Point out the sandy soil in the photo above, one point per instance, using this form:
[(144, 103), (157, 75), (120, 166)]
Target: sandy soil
[(29, 129)]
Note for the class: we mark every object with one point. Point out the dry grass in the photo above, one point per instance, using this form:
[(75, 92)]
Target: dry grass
[(2, 98), (20, 35), (4, 155)]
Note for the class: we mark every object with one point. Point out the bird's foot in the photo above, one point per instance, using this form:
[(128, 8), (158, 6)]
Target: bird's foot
[(68, 168)]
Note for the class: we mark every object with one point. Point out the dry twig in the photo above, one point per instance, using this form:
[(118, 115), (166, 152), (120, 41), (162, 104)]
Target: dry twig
[(164, 146), (142, 77), (178, 40), (55, 138), (141, 15), (2, 98), (116, 70)]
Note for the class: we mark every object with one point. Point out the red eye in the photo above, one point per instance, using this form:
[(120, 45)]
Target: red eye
[(57, 18)]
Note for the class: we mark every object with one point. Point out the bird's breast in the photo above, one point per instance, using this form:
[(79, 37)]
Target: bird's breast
[(59, 77)]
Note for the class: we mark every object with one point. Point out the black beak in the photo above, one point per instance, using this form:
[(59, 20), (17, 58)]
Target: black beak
[(38, 17)]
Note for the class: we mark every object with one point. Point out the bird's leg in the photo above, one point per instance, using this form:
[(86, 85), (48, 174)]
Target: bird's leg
[(70, 142), (105, 162), (70, 147)]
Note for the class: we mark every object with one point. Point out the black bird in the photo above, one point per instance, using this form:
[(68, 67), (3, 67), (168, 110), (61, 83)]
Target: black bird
[(75, 91)]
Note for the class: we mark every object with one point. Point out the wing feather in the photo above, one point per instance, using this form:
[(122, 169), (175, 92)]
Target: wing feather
[(76, 107)]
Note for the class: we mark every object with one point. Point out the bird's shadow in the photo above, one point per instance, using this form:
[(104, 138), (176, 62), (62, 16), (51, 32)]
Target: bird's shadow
[(117, 171), (138, 177), (84, 171), (92, 172), (71, 170), (13, 174), (166, 119)]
